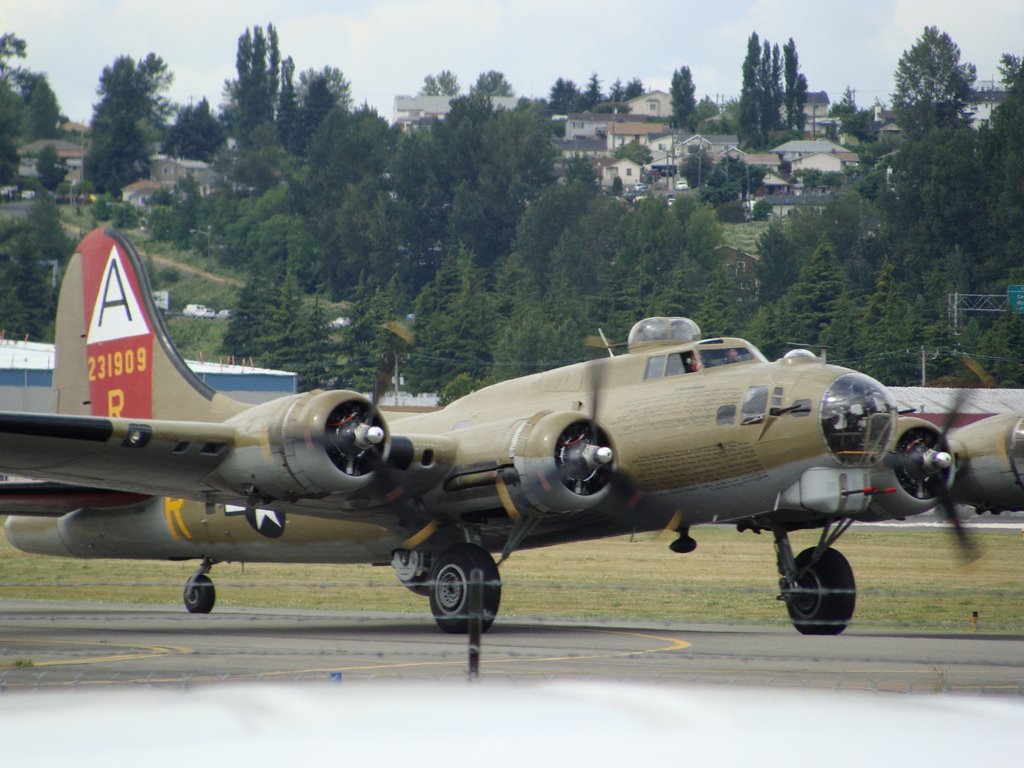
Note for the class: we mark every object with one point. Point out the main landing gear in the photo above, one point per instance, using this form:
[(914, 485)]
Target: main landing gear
[(448, 583), (200, 594), (817, 585)]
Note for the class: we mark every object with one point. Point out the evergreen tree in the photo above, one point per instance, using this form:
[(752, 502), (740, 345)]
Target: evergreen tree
[(633, 89), (9, 119), (809, 305), (313, 354), (250, 329), (129, 117), (796, 87), (770, 93), (444, 83), (50, 168), (684, 104), (1001, 167), (563, 97), (254, 93), (933, 89), (592, 96), (196, 133), (492, 83), (42, 112), (288, 117), (1001, 349), (749, 104), (888, 333)]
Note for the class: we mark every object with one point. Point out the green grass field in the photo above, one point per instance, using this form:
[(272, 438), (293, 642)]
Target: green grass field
[(914, 581)]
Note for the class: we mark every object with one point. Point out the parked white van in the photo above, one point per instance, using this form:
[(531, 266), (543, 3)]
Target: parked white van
[(198, 310)]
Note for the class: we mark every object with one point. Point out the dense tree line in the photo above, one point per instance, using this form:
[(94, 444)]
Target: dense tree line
[(458, 252)]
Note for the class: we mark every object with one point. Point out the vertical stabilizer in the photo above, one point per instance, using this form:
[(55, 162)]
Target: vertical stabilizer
[(114, 356)]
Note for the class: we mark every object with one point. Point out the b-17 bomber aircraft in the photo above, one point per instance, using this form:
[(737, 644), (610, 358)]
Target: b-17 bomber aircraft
[(143, 460)]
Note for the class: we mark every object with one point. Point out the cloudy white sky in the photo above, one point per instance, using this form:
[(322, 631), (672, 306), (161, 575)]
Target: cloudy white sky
[(385, 47)]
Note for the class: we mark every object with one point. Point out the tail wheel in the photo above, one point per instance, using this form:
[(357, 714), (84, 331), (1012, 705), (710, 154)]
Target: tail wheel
[(449, 588), (823, 599)]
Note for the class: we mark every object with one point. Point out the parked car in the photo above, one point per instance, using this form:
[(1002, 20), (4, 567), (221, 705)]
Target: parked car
[(682, 185), (199, 310), (225, 314)]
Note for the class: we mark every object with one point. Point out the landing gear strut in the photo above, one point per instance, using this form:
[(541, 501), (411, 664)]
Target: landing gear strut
[(817, 585), (450, 587), (200, 594)]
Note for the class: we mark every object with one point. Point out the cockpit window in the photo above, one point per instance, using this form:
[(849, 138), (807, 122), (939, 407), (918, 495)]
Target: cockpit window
[(714, 357), (858, 416)]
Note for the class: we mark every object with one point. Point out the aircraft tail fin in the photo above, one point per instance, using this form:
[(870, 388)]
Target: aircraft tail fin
[(114, 355)]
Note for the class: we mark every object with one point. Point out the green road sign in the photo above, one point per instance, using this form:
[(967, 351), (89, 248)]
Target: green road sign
[(1015, 297)]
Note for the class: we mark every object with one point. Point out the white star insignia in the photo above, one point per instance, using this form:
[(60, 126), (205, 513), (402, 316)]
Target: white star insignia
[(267, 514)]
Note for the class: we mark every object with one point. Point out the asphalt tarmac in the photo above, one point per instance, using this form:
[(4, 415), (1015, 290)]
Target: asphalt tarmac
[(47, 645)]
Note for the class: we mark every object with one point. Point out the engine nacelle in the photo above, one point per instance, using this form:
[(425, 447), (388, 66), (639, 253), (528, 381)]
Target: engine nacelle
[(914, 471), (991, 456), (312, 444), (564, 462)]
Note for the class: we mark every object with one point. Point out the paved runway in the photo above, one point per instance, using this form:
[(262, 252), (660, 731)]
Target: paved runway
[(56, 645)]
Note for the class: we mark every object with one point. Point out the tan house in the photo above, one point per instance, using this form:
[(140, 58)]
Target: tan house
[(816, 109), (68, 152), (620, 134), (624, 169), (653, 104), (168, 171), (138, 193), (826, 162)]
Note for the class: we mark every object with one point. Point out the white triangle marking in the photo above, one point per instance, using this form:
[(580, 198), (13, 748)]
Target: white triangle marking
[(116, 313)]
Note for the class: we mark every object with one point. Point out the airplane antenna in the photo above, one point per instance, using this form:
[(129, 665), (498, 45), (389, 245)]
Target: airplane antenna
[(606, 344)]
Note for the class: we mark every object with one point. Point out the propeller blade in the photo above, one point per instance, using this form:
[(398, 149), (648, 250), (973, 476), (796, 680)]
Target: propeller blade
[(946, 506)]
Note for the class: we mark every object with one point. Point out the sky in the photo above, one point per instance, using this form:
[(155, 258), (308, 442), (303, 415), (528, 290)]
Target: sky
[(386, 47)]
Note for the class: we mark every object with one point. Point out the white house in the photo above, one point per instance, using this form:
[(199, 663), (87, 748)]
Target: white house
[(411, 111)]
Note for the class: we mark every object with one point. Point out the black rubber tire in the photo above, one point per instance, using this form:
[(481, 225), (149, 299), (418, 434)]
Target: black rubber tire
[(828, 594), (449, 590), (200, 594)]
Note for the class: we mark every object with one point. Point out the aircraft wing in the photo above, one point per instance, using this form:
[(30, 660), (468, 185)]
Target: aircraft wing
[(143, 457), (48, 499)]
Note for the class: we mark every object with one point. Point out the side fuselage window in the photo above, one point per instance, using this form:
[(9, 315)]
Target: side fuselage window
[(754, 404), (726, 415), (655, 367)]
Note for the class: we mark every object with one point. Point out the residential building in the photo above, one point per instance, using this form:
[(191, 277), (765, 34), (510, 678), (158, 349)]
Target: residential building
[(621, 133), (653, 104), (816, 108), (713, 145), (581, 147), (68, 152), (412, 112), (785, 205), (984, 100), (601, 124), (826, 162), (168, 171), (624, 169), (138, 193), (793, 150)]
